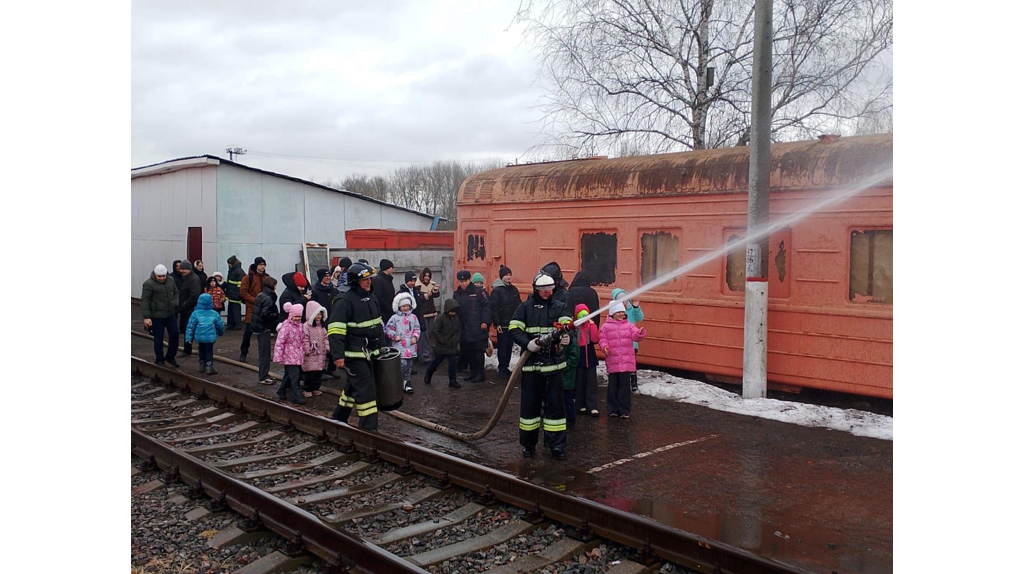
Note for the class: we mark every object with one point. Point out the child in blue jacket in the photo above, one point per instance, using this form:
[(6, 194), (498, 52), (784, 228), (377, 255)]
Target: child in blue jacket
[(204, 327)]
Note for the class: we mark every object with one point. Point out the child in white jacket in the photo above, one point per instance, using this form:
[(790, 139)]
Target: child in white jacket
[(403, 329)]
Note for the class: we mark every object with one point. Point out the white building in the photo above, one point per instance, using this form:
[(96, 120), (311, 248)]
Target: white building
[(210, 208)]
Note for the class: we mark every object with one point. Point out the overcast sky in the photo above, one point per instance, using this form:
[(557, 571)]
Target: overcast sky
[(358, 81)]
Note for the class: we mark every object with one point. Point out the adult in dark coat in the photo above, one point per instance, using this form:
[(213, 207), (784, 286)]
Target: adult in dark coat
[(159, 305), (294, 292), (582, 291), (384, 288), (475, 313), (176, 273), (417, 295), (200, 270), (252, 286), (188, 295), (233, 293), (505, 299), (323, 291), (561, 287)]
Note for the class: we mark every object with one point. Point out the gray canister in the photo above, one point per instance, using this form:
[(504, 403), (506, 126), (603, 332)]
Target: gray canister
[(387, 373)]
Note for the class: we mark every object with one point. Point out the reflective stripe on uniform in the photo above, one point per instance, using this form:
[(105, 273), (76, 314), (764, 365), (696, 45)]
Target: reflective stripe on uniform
[(552, 425), (516, 325), (529, 424), (539, 329), (337, 329), (370, 323), (543, 368), (234, 282), (564, 320), (346, 401), (239, 301), (360, 354), (366, 409)]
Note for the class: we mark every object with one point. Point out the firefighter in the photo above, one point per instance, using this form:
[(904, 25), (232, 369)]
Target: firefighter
[(543, 402), (355, 330)]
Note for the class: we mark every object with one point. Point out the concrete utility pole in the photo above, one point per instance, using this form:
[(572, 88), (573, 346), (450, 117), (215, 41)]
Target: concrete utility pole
[(755, 319)]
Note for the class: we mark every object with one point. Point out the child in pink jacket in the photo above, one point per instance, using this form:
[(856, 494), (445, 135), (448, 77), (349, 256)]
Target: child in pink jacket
[(315, 362), (290, 351), (616, 339)]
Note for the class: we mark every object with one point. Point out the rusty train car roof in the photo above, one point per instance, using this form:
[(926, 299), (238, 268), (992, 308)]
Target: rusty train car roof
[(823, 163)]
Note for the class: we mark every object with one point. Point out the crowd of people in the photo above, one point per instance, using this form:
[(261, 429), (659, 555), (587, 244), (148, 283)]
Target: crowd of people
[(344, 319)]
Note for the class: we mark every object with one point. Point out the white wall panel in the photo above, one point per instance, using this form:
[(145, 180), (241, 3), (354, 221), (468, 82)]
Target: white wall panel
[(164, 207), (362, 214), (325, 217), (239, 205), (283, 210)]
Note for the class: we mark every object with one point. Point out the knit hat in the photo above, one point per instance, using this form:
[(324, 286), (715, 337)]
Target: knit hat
[(293, 310), (364, 262), (320, 274), (185, 265), (617, 307), (503, 271), (299, 279), (582, 310), (258, 261), (211, 278), (232, 260), (344, 263), (160, 269), (218, 274), (386, 264), (463, 275), (410, 276), (478, 278)]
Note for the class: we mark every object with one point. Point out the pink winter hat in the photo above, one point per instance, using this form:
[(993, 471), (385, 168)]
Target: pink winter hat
[(293, 310)]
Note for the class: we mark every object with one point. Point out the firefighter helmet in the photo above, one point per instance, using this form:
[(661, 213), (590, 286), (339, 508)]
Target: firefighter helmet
[(543, 281), (356, 272)]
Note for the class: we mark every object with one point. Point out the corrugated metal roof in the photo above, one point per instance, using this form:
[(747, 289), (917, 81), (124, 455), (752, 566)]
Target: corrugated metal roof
[(267, 172)]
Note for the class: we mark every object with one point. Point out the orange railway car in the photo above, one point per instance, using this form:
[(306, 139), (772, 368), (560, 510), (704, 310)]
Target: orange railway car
[(630, 220)]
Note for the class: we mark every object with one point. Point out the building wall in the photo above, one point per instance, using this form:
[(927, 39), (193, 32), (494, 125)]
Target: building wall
[(163, 208), (268, 216)]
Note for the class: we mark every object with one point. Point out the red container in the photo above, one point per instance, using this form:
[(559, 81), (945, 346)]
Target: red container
[(398, 239)]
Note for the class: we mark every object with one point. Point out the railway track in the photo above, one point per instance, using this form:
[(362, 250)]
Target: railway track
[(361, 501)]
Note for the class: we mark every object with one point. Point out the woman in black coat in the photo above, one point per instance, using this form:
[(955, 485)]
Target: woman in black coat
[(581, 291), (475, 313)]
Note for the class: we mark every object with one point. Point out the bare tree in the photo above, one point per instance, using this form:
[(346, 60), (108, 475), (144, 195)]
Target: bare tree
[(375, 187), (660, 75), (432, 188)]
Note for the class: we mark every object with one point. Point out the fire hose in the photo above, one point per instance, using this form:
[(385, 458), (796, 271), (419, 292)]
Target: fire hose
[(545, 340)]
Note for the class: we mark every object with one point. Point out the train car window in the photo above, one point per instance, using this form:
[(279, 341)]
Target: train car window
[(659, 254), (735, 265), (599, 256), (871, 266), (475, 247), (780, 264)]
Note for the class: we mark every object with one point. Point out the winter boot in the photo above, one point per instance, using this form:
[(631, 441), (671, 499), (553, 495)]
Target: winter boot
[(408, 387), (454, 384), (209, 368), (202, 366)]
